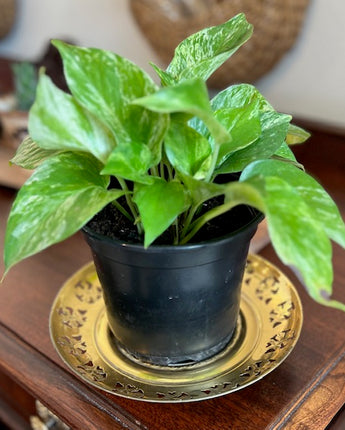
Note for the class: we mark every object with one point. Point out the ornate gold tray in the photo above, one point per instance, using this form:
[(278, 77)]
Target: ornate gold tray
[(269, 325)]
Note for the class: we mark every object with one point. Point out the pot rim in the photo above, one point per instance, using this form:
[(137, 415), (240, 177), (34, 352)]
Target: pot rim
[(257, 218)]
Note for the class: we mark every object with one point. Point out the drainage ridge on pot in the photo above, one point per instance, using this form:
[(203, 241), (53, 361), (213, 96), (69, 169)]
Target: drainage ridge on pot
[(172, 305)]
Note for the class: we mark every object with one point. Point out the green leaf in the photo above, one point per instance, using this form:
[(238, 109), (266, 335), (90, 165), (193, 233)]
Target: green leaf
[(106, 84), (236, 193), (130, 161), (285, 152), (186, 149), (159, 205), (323, 298), (199, 190), (239, 96), (165, 78), (274, 127), (29, 155), (189, 96), (297, 236), (235, 97), (204, 52), (59, 198), (296, 135), (244, 127), (242, 124), (321, 205), (58, 122)]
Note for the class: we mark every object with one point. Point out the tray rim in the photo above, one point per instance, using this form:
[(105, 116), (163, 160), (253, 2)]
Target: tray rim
[(133, 388)]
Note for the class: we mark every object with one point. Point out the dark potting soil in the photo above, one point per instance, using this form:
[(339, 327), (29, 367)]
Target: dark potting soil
[(112, 223)]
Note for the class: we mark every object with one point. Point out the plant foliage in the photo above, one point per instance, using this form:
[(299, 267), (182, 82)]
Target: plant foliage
[(166, 146)]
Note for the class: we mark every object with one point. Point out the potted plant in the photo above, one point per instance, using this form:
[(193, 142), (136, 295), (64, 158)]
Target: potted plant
[(179, 180)]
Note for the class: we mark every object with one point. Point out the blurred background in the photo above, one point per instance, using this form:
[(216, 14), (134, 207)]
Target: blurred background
[(297, 58)]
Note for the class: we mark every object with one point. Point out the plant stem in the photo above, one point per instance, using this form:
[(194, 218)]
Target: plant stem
[(236, 193), (188, 220), (167, 165), (220, 136), (154, 171), (123, 211), (161, 170), (209, 175), (131, 206), (198, 223), (176, 235)]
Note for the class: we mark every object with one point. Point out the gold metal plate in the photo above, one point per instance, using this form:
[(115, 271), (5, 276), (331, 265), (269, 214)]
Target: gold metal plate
[(269, 325)]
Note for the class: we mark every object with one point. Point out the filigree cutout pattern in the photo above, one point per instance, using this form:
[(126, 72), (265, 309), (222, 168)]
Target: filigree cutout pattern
[(271, 318), (72, 318), (281, 313), (280, 340), (94, 372), (267, 289), (87, 292), (128, 389), (73, 345)]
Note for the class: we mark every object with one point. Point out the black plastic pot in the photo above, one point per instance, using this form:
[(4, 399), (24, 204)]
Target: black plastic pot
[(172, 305)]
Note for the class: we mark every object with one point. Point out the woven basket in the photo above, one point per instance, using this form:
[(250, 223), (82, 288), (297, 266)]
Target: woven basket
[(276, 26), (7, 15)]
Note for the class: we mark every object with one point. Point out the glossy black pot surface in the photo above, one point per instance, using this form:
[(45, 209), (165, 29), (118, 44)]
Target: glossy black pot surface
[(172, 305)]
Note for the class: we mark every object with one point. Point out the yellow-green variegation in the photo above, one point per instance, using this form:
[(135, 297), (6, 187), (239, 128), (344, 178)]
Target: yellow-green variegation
[(164, 146)]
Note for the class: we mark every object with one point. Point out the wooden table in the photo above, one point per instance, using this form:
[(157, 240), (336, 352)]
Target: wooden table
[(307, 391)]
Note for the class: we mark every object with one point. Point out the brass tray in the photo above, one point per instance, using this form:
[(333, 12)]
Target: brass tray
[(268, 328)]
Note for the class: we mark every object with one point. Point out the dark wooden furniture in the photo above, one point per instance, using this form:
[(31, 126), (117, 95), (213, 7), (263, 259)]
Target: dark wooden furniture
[(307, 391)]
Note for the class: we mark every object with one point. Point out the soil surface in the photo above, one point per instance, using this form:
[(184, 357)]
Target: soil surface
[(112, 223)]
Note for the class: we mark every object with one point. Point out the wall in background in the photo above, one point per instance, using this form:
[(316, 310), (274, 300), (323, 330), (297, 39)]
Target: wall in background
[(309, 81), (106, 24)]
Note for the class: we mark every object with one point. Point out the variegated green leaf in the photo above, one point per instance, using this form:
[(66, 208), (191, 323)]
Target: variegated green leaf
[(159, 205), (321, 205), (285, 152), (58, 122), (186, 149), (29, 155), (297, 236), (130, 161), (202, 53), (296, 135), (106, 84), (189, 96), (274, 127), (57, 200), (244, 127), (239, 96), (200, 191)]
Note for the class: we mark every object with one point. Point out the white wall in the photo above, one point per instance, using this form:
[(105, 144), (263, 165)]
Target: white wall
[(308, 82), (106, 24)]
